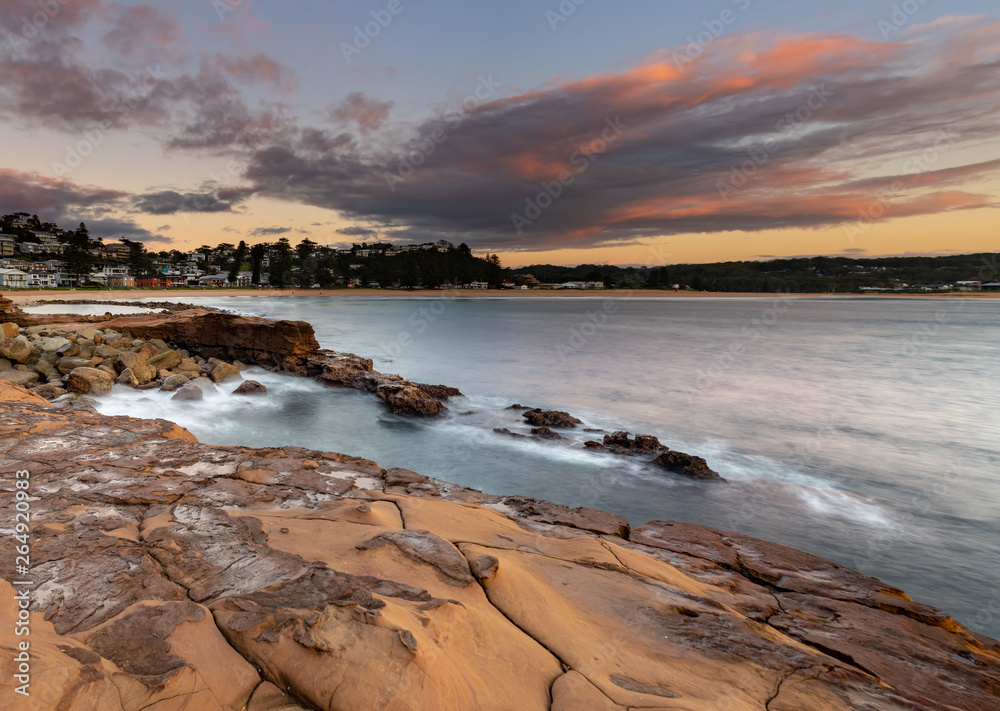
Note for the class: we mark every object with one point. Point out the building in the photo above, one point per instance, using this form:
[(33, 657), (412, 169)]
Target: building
[(969, 285), (13, 279), (42, 279), (216, 280), (478, 285), (31, 248), (122, 280), (8, 245), (115, 251)]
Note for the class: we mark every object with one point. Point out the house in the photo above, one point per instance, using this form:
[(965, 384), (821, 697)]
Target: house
[(31, 248), (574, 285), (114, 250), (969, 285), (216, 280), (121, 280), (507, 284), (991, 286), (13, 279), (41, 279), (478, 285), (8, 245), (936, 287)]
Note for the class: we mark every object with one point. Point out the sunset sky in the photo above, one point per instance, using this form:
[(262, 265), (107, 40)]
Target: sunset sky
[(639, 132)]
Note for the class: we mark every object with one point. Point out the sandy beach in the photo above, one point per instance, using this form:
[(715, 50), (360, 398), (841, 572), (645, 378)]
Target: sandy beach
[(34, 297)]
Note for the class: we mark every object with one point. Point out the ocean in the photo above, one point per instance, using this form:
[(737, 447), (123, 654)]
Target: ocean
[(864, 431)]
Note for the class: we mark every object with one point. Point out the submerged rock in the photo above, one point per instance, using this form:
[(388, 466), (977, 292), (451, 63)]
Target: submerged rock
[(189, 393), (250, 387)]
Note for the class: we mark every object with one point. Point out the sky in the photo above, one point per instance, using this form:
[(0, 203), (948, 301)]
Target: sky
[(640, 132)]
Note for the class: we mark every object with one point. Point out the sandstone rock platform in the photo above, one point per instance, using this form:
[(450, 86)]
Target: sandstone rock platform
[(175, 575)]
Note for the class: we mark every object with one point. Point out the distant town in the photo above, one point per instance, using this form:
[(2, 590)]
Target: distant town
[(41, 255)]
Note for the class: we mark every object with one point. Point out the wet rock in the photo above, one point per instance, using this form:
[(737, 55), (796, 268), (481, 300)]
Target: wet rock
[(15, 350), (620, 443), (410, 400), (439, 392), (189, 393), (127, 377), (174, 382), (686, 464), (596, 446), (545, 433), (507, 432), (551, 418), (89, 381), (250, 387), (224, 372), (517, 406)]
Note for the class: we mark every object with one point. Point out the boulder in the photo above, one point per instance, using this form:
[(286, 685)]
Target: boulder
[(174, 382), (68, 349), (250, 387), (439, 392), (49, 391), (6, 364), (410, 400), (89, 334), (508, 433), (206, 385), (15, 349), (223, 372), (550, 418), (45, 368), (68, 365), (106, 351), (21, 378), (189, 393), (165, 361), (686, 464), (89, 381), (35, 330), (160, 345), (619, 443), (53, 344), (9, 330), (127, 377)]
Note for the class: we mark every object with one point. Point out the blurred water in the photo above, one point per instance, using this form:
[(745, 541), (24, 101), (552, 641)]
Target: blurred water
[(863, 431)]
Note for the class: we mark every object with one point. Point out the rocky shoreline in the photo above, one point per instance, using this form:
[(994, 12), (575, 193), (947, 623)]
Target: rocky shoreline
[(171, 574)]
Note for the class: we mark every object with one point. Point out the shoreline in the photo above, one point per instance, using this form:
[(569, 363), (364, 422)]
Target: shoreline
[(34, 297)]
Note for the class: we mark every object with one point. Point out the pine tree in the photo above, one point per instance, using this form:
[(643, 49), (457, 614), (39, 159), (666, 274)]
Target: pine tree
[(234, 271)]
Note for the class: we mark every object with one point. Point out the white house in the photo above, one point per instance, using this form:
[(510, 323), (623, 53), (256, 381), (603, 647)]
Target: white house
[(13, 279)]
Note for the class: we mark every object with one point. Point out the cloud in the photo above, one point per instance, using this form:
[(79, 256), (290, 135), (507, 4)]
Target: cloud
[(369, 114), (761, 132), (171, 202), (269, 231), (356, 231), (140, 28), (51, 197)]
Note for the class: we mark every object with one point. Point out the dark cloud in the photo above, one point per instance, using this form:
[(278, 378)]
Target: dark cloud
[(44, 196), (269, 231), (171, 202), (356, 231), (788, 135)]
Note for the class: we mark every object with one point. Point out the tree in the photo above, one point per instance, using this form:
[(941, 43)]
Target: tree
[(257, 253), (280, 273), (234, 271), (77, 258), (139, 262)]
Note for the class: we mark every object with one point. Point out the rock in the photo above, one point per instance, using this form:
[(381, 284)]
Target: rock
[(89, 381), (596, 446), (188, 366), (53, 344), (35, 330), (619, 443), (223, 372), (410, 400), (517, 406), (9, 330), (16, 395), (127, 377), (189, 393), (686, 464), (68, 365), (89, 334), (68, 350), (165, 360), (206, 385), (250, 387), (551, 418), (21, 378), (106, 352), (505, 431), (160, 345), (6, 364), (15, 349), (49, 391), (439, 392), (45, 368), (545, 433), (174, 382)]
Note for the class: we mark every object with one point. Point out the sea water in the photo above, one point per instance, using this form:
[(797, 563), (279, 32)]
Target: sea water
[(865, 431)]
